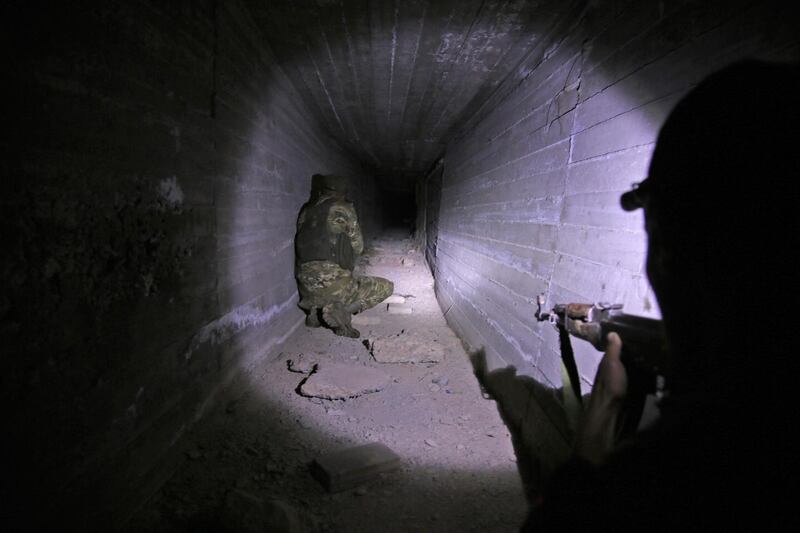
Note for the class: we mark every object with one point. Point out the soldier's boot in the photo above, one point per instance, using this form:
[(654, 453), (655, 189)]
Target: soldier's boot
[(312, 319), (338, 318)]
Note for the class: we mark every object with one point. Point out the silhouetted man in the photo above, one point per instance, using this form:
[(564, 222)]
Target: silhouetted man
[(719, 204), (327, 244)]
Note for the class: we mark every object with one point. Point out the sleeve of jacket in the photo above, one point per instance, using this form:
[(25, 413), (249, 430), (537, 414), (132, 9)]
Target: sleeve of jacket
[(354, 231)]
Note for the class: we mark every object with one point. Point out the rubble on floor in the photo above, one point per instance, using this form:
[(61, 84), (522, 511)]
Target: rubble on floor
[(333, 381), (406, 348)]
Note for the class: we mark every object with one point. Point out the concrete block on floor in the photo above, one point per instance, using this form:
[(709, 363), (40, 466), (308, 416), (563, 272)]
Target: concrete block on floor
[(345, 469)]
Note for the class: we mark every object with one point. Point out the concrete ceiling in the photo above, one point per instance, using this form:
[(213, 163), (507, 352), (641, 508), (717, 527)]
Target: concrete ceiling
[(394, 80)]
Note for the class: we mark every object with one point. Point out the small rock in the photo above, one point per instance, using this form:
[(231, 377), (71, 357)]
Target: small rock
[(351, 419), (431, 443), (460, 447), (407, 261), (434, 388), (399, 309), (441, 380), (395, 299)]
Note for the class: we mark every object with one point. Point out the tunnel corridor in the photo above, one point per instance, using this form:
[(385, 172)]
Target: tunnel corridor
[(433, 413), (156, 156)]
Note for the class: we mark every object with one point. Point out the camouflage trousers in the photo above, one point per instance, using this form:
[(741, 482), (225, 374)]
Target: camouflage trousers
[(323, 282)]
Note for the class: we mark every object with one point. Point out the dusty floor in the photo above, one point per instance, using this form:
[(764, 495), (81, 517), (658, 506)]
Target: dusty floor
[(458, 472)]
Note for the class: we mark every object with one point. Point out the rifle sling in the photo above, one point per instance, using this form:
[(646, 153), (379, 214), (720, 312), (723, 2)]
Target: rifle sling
[(573, 401)]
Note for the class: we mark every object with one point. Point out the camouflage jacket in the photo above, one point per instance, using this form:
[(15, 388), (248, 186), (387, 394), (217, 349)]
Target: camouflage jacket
[(328, 230)]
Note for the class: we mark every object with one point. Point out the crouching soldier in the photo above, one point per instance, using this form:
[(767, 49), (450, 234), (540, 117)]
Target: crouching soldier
[(327, 244)]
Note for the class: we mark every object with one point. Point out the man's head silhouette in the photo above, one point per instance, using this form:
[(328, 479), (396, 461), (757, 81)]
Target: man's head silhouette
[(719, 205)]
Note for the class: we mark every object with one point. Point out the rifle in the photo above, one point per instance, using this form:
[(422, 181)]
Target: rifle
[(644, 352)]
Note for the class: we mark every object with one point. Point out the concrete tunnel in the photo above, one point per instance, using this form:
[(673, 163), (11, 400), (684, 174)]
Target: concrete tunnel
[(156, 156)]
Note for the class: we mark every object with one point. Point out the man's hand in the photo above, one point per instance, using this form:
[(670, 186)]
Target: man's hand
[(611, 381), (595, 437)]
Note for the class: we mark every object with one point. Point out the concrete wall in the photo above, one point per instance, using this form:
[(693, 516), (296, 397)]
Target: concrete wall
[(154, 162), (394, 79), (530, 196)]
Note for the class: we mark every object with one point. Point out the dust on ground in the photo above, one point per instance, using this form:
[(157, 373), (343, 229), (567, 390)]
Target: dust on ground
[(247, 465)]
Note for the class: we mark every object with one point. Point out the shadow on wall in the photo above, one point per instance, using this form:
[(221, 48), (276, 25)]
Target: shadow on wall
[(534, 415)]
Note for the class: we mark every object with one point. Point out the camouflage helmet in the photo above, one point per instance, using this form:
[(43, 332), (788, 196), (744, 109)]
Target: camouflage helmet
[(329, 182)]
